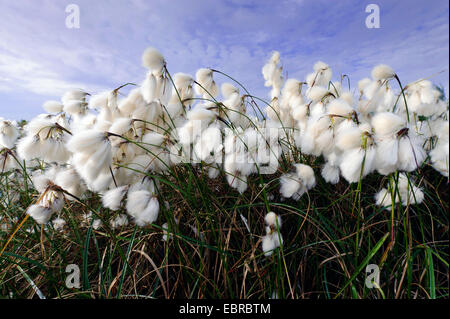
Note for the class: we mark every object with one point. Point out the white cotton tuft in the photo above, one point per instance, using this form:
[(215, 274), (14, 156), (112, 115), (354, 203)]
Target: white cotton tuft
[(149, 215), (273, 238), (209, 146), (273, 220), (410, 193), (69, 180), (387, 155), (200, 114), (362, 84), (112, 198), (86, 141), (99, 100), (238, 182), (228, 89), (128, 105), (316, 93), (382, 72), (268, 245), (101, 182), (92, 153), (289, 185), (58, 224), (339, 107), (153, 59), (8, 134), (41, 180), (54, 200), (407, 193), (440, 156), (330, 173), (292, 89), (142, 206), (121, 126), (75, 107), (205, 78), (295, 185), (357, 163), (53, 106), (306, 174), (321, 76), (349, 138), (28, 147), (320, 66), (153, 139), (415, 196), (348, 97), (383, 198), (137, 200), (324, 142), (184, 84), (373, 92), (96, 224), (7, 162), (387, 123), (300, 113), (39, 213), (273, 74), (410, 153), (78, 95)]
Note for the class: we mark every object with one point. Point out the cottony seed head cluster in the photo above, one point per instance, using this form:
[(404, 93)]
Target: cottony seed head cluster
[(114, 145)]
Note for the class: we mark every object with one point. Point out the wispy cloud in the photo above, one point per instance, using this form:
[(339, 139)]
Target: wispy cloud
[(33, 77)]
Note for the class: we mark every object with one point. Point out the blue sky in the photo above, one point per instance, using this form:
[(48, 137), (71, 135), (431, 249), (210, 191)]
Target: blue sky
[(40, 58)]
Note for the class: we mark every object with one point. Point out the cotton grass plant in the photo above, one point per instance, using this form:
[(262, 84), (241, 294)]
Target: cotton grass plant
[(180, 188)]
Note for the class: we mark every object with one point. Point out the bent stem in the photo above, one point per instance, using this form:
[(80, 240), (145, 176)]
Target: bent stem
[(404, 97)]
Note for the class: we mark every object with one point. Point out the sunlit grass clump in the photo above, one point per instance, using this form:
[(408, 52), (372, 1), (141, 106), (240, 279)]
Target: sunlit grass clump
[(173, 189)]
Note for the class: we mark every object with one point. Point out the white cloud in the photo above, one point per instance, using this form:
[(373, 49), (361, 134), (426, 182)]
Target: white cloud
[(23, 74)]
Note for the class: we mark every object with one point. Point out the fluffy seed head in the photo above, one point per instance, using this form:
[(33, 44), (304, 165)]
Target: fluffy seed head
[(53, 106), (382, 72), (112, 198), (40, 213), (153, 59)]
